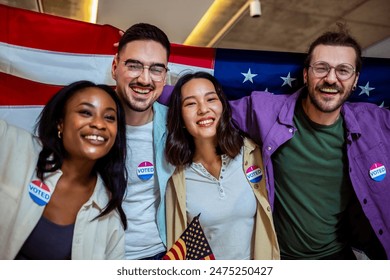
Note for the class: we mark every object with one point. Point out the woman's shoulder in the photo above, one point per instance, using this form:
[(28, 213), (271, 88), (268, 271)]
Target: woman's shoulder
[(12, 130), (13, 136)]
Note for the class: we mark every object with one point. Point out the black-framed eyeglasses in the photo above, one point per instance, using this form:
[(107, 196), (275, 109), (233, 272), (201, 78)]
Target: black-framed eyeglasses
[(135, 68), (343, 71)]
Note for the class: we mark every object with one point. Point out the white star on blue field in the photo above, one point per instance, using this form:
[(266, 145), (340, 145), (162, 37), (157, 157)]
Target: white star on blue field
[(366, 89), (248, 76), (287, 80)]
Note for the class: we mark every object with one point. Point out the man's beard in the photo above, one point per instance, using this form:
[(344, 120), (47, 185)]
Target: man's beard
[(328, 106), (139, 106)]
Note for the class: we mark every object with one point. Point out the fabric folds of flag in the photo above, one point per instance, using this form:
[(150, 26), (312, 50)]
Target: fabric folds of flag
[(191, 245), (41, 53)]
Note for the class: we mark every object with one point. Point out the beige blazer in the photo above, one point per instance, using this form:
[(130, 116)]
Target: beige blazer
[(265, 240)]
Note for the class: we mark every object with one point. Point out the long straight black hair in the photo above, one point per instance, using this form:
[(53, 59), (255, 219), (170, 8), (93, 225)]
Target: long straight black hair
[(180, 147)]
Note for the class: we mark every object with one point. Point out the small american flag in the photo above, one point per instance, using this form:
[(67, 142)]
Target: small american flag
[(191, 245)]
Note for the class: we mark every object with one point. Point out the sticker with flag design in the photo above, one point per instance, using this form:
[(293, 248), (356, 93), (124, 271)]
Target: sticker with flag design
[(377, 172), (254, 174), (39, 192), (145, 170)]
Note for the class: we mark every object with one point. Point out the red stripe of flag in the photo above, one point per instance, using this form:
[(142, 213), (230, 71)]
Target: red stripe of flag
[(173, 253), (181, 248), (194, 56), (176, 256), (24, 92), (47, 32)]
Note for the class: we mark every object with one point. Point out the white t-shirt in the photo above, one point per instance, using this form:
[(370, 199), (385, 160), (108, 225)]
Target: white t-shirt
[(142, 195), (227, 205)]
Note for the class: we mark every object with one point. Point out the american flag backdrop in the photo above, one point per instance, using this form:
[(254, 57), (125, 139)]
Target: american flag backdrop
[(40, 53)]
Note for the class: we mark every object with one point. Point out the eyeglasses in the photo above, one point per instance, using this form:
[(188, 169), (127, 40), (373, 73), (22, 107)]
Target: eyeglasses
[(135, 68), (343, 71)]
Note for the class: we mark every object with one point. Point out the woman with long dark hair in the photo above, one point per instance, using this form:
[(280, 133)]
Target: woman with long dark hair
[(218, 173), (61, 191)]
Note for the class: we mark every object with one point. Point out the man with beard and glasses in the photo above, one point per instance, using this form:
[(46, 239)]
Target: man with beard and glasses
[(140, 70), (325, 158)]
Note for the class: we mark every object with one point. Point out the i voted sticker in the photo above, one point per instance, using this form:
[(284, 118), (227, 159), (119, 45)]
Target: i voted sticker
[(254, 174), (39, 192), (377, 172), (145, 170)]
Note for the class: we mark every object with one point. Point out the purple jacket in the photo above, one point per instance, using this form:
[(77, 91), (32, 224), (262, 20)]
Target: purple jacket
[(268, 120)]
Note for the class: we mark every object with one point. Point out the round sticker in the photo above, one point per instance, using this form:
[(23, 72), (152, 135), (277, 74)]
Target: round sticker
[(377, 172), (39, 192), (254, 174), (145, 170)]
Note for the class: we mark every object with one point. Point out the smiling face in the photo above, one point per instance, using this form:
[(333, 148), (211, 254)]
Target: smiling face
[(89, 126), (327, 94), (138, 94), (201, 108)]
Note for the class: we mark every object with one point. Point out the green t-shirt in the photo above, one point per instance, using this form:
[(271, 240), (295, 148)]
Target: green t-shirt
[(312, 189)]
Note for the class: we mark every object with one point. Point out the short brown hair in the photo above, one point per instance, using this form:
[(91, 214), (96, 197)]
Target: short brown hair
[(336, 38)]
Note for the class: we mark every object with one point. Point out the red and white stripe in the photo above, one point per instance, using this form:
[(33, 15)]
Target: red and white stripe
[(41, 53)]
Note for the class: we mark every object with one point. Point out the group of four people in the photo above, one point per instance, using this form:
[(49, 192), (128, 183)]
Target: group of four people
[(273, 176)]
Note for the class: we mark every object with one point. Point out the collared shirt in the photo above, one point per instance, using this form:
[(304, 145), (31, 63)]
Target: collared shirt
[(270, 123), (22, 203), (227, 205), (265, 240)]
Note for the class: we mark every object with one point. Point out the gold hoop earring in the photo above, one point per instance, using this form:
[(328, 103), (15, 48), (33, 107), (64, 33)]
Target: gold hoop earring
[(59, 134)]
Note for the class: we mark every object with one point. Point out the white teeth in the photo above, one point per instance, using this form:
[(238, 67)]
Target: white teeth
[(141, 91), (330, 90), (205, 122), (95, 137)]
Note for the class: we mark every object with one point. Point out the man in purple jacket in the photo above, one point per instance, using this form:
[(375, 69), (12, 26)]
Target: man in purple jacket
[(326, 159)]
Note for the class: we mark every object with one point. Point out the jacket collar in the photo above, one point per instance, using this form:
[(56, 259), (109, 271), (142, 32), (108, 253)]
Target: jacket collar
[(286, 114), (100, 195), (249, 144), (351, 124), (159, 120)]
